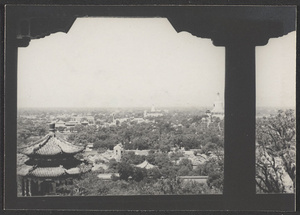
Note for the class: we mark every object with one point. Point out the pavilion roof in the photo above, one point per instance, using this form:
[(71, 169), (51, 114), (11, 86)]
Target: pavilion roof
[(47, 172), (51, 145), (73, 171), (145, 165)]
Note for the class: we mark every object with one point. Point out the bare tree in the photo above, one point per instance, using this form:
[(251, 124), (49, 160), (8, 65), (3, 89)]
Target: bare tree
[(275, 151)]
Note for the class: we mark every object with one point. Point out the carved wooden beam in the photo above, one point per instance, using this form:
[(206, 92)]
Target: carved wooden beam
[(39, 27)]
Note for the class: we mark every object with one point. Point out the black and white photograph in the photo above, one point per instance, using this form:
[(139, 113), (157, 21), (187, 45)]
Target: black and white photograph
[(162, 101)]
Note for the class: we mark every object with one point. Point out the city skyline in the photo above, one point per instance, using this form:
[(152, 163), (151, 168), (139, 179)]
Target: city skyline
[(140, 62)]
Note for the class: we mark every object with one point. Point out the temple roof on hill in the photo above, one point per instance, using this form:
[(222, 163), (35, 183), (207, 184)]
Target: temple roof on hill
[(47, 172), (50, 172), (51, 145), (145, 165)]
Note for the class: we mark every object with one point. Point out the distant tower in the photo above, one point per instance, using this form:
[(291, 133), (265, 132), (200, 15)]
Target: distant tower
[(118, 151), (208, 118), (153, 113), (152, 108), (218, 110)]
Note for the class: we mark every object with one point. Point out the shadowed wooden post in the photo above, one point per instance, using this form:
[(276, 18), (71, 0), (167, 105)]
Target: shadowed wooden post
[(240, 107), (23, 187), (239, 121), (239, 36)]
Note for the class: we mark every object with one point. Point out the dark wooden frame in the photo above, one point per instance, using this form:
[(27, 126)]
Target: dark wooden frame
[(238, 194)]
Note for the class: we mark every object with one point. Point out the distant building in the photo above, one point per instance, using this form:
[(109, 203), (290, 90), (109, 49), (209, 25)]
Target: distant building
[(146, 165), (85, 122), (198, 179), (119, 121), (139, 152), (153, 113), (89, 147), (90, 119), (60, 126), (218, 109), (76, 118), (139, 120), (118, 151), (60, 123), (71, 123), (107, 176)]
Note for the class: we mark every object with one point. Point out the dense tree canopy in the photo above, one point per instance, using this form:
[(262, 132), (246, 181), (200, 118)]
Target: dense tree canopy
[(275, 147), (29, 131), (164, 133), (165, 137)]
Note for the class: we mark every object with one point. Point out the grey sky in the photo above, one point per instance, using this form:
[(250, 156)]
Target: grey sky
[(276, 72), (132, 62)]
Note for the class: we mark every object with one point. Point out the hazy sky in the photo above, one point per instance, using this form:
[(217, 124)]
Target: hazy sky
[(276, 72), (132, 62)]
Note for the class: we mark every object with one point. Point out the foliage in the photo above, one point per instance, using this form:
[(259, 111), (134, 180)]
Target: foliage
[(178, 129), (275, 151), (214, 169), (90, 185), (132, 158), (30, 131), (164, 133)]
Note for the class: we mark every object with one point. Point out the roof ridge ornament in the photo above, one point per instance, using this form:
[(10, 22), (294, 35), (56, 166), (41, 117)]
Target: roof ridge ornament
[(52, 129)]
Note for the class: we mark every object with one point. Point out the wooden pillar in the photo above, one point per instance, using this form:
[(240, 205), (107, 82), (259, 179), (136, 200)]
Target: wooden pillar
[(10, 116), (39, 186), (29, 187), (23, 187), (54, 187), (239, 164)]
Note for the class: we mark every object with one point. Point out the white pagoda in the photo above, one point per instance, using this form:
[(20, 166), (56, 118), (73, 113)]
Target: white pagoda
[(218, 109)]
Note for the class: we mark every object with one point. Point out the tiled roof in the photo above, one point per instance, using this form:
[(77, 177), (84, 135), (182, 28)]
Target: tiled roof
[(51, 145), (48, 172), (73, 171), (68, 147), (145, 165), (49, 148), (107, 176)]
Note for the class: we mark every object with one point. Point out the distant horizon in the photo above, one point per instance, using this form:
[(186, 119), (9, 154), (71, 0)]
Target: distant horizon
[(111, 107), (146, 107)]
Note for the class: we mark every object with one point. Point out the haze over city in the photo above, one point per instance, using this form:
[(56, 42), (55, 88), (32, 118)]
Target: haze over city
[(140, 62)]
